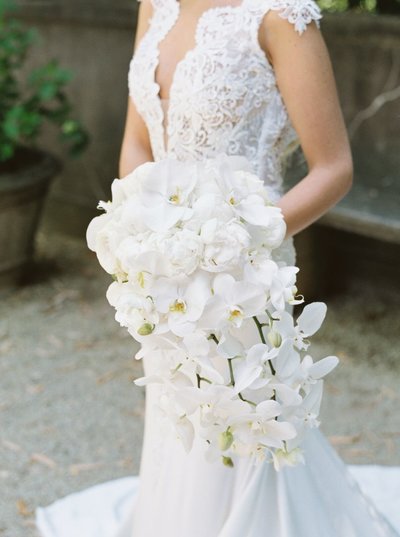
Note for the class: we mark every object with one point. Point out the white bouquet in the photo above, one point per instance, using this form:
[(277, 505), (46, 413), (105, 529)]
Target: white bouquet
[(190, 246)]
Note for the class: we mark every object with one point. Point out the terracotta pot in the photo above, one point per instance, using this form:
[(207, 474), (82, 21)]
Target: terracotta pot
[(24, 182)]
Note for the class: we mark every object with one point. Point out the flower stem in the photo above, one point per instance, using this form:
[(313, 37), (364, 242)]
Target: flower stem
[(214, 338), (246, 400), (199, 379), (231, 371), (272, 319), (259, 327)]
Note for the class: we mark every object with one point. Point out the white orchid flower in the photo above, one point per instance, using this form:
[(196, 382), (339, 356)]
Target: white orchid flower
[(160, 215), (282, 458), (260, 269), (307, 323), (182, 300), (205, 207), (255, 211), (280, 281), (311, 318), (182, 425), (283, 288), (165, 196), (220, 409), (170, 367), (209, 367), (305, 416), (262, 427), (310, 372), (273, 432), (232, 302), (287, 361), (238, 185), (185, 432), (159, 342), (286, 395), (229, 346), (129, 185), (195, 350), (253, 371), (312, 403)]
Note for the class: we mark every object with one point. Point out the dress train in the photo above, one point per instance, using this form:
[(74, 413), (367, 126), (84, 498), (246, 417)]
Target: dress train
[(191, 497)]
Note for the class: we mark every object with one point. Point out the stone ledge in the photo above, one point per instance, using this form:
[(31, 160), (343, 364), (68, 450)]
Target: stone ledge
[(365, 210), (368, 225)]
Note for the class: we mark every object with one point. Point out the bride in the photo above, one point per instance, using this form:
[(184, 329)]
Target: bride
[(252, 78)]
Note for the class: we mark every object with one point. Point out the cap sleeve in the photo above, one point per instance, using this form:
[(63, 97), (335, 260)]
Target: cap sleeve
[(298, 12)]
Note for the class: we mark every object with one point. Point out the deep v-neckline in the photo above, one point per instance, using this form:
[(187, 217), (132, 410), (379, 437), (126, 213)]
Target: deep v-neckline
[(165, 112)]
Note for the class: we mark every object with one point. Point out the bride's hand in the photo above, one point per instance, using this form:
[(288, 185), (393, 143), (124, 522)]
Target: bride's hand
[(306, 81)]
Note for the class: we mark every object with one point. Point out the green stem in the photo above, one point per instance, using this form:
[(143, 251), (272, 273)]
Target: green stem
[(246, 400), (272, 319), (231, 374), (259, 327), (214, 338), (177, 367), (231, 371), (199, 379), (233, 382)]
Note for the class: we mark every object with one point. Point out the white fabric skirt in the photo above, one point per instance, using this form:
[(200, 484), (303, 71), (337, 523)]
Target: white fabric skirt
[(189, 497), (180, 494)]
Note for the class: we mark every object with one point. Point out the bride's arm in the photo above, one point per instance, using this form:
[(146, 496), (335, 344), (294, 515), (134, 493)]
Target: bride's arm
[(306, 81), (135, 148)]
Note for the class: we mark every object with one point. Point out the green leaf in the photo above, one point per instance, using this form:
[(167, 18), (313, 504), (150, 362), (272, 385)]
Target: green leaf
[(20, 123), (27, 100), (6, 151)]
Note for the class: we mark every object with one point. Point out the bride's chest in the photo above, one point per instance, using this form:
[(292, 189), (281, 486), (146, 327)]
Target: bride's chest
[(225, 69)]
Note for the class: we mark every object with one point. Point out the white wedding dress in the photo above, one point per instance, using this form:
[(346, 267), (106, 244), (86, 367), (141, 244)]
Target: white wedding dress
[(224, 98)]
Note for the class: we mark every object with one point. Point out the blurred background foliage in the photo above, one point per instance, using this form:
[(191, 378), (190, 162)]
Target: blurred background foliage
[(27, 101), (389, 7)]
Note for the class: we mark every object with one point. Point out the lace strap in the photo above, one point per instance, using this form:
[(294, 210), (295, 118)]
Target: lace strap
[(298, 12)]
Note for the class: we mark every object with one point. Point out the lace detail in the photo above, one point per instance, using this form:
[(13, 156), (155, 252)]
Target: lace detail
[(298, 12), (286, 253), (223, 95)]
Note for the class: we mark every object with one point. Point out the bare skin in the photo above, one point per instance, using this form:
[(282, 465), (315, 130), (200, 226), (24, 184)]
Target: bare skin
[(306, 81), (136, 149)]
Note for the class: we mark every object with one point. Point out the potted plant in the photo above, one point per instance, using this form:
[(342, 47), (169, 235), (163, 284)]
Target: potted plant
[(27, 102)]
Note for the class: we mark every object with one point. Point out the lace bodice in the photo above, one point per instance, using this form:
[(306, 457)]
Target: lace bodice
[(223, 96)]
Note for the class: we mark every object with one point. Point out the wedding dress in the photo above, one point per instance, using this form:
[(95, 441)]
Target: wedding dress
[(224, 98)]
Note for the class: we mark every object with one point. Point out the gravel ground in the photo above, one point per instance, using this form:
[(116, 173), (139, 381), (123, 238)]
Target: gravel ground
[(72, 417)]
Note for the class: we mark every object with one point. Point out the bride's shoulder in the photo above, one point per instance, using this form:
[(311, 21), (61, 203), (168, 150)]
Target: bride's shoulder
[(298, 12), (162, 6), (157, 3)]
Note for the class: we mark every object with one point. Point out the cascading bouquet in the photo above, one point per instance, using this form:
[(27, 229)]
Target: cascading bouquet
[(190, 246)]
